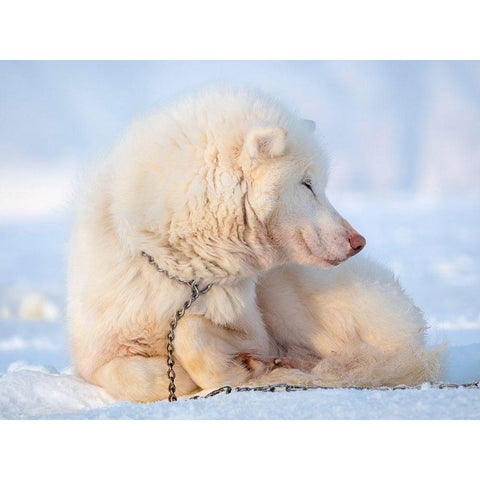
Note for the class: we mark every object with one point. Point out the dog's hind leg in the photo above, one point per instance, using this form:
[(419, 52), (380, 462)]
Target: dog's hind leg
[(141, 379)]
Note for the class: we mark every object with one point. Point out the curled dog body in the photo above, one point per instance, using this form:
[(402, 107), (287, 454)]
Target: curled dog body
[(228, 187)]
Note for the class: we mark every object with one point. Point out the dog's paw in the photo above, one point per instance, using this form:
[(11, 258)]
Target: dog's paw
[(255, 365), (258, 365)]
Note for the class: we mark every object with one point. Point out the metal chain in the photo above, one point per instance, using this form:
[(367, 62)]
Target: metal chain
[(285, 387), (196, 292)]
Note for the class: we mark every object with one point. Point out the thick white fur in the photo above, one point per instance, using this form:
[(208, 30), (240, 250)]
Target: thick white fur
[(212, 188)]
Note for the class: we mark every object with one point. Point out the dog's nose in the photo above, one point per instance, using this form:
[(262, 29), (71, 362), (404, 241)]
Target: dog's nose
[(357, 242)]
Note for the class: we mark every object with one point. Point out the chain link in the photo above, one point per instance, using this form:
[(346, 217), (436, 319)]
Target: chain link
[(285, 387), (196, 292)]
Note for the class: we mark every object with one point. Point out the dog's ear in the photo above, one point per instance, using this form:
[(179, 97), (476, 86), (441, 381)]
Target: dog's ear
[(265, 142), (309, 124)]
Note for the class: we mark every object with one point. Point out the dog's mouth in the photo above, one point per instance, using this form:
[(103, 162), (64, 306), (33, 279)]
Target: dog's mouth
[(312, 252), (333, 262)]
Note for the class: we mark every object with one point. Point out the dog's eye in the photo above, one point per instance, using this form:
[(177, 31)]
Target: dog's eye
[(307, 182)]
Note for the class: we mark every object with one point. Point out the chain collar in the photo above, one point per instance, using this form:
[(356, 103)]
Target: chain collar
[(189, 283), (195, 293)]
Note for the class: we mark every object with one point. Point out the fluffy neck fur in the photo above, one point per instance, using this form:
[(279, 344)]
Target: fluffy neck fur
[(210, 232)]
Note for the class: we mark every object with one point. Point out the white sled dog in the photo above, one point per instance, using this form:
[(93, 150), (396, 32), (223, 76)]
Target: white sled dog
[(228, 187)]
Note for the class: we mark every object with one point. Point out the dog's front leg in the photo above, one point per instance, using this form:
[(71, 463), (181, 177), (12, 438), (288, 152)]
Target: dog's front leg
[(211, 354)]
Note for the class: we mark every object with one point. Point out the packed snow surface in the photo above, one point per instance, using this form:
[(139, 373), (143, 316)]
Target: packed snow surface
[(431, 246)]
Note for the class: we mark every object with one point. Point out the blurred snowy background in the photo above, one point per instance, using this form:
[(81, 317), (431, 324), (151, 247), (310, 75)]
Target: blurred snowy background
[(403, 138)]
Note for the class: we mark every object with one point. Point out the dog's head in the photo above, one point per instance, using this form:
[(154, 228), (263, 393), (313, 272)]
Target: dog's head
[(225, 185), (288, 176)]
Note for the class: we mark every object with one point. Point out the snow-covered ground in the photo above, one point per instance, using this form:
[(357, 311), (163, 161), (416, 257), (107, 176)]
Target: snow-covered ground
[(399, 133), (431, 245)]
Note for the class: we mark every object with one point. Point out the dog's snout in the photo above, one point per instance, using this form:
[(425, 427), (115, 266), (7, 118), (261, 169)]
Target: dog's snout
[(357, 242)]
